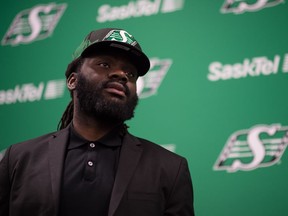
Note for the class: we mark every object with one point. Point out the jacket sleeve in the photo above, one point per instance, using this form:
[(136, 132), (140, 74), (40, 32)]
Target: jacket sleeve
[(4, 184), (180, 201)]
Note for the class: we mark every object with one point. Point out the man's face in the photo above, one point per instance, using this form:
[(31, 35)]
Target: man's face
[(106, 87)]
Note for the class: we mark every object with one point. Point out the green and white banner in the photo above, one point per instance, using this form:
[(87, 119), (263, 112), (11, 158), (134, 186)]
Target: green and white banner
[(215, 93)]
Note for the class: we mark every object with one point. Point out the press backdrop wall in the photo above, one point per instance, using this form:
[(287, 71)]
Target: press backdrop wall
[(216, 92)]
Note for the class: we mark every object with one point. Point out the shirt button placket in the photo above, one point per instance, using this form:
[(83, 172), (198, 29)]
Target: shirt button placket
[(92, 146), (90, 170)]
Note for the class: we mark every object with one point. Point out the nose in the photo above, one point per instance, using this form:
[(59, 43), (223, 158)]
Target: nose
[(119, 75)]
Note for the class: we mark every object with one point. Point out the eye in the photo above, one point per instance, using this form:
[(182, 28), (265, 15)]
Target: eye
[(131, 74), (103, 64)]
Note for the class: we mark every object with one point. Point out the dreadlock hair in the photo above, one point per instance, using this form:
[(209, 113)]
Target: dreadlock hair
[(67, 116)]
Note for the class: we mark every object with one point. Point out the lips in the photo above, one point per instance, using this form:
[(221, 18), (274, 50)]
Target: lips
[(116, 88)]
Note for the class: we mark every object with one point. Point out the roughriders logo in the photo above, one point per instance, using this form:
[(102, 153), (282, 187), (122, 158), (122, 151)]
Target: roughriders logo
[(122, 36), (138, 8), (149, 84), (241, 6), (33, 24), (260, 146)]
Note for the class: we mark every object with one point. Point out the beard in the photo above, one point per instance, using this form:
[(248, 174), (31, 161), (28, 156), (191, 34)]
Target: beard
[(93, 102)]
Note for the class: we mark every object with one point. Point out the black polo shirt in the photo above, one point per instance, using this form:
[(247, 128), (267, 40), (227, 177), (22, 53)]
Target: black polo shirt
[(89, 173)]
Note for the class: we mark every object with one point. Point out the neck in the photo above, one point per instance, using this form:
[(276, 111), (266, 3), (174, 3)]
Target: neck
[(91, 128)]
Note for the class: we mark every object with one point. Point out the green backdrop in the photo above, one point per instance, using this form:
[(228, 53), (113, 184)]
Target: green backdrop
[(215, 94)]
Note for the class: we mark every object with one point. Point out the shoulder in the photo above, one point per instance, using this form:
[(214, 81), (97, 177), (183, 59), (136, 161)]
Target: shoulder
[(157, 151), (35, 143)]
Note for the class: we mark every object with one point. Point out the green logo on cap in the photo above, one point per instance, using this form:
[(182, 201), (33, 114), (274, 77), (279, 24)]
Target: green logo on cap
[(113, 35), (121, 36), (80, 49)]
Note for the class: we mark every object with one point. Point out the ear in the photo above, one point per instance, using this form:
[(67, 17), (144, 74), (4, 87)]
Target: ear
[(72, 81)]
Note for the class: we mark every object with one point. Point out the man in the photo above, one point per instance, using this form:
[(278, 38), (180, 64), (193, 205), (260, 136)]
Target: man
[(93, 165)]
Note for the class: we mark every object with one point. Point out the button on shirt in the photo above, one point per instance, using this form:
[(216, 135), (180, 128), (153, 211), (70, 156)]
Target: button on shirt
[(89, 173)]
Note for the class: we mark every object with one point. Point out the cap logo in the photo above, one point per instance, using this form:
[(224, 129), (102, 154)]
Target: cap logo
[(120, 36)]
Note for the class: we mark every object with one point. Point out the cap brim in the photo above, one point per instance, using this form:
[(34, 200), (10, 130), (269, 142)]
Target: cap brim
[(138, 58)]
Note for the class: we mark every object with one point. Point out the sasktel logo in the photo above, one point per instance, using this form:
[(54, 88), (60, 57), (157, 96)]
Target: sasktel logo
[(241, 6), (29, 92), (138, 8), (259, 146), (53, 89), (33, 24), (254, 67)]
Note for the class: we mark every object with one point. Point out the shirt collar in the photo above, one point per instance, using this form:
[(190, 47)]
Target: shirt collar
[(111, 139)]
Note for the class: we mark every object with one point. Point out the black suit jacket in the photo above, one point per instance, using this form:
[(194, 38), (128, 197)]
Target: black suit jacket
[(150, 180)]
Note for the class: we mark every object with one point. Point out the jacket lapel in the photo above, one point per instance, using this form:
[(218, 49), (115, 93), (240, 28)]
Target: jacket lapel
[(130, 154), (57, 147)]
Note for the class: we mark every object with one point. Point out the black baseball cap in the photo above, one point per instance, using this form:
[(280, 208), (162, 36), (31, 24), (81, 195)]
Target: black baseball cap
[(106, 39)]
